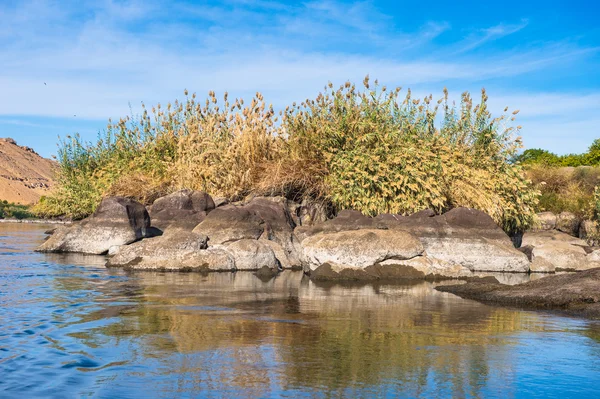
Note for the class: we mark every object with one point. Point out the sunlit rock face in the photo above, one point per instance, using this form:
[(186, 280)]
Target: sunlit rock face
[(117, 221), (553, 250), (175, 250), (462, 236)]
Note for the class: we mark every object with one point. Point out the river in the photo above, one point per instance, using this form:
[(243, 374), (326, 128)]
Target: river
[(71, 328)]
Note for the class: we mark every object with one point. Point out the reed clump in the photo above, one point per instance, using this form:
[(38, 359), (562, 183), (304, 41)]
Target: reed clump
[(368, 149)]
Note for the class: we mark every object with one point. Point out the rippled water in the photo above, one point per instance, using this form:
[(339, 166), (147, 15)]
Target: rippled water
[(71, 328)]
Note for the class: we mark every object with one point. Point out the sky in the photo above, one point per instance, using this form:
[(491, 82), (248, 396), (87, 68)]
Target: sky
[(68, 66)]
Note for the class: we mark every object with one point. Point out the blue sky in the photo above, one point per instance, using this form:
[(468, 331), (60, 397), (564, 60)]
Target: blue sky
[(99, 58)]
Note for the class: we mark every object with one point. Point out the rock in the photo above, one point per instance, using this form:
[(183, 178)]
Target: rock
[(562, 255), (468, 237), (286, 261), (556, 251), (568, 222), (528, 251), (545, 221), (588, 231), (541, 265), (346, 220), (176, 250), (230, 223), (117, 221), (537, 238), (278, 224), (184, 209), (577, 293), (357, 249), (220, 201), (425, 213), (463, 236), (417, 268), (252, 255), (431, 267)]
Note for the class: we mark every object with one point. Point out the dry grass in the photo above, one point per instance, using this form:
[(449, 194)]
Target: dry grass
[(365, 149), (566, 188)]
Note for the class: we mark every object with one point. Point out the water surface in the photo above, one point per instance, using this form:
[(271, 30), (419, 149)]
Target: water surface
[(71, 328)]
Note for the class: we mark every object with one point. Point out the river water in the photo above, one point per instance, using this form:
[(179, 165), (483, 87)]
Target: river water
[(70, 328)]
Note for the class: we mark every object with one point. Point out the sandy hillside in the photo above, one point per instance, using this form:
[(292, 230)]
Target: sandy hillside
[(24, 175)]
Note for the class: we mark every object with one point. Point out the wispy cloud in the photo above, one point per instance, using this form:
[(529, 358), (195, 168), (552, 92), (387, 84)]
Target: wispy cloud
[(483, 36), (99, 57)]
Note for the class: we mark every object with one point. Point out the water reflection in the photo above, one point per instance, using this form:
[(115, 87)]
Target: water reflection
[(107, 333)]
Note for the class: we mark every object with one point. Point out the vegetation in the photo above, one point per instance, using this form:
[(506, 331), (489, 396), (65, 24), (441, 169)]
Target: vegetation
[(366, 149), (565, 182), (565, 189), (9, 210), (537, 156)]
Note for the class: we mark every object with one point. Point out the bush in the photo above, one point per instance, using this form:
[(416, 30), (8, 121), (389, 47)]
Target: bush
[(362, 149), (14, 211), (566, 188)]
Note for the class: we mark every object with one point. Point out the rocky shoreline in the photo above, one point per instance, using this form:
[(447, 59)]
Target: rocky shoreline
[(573, 293), (190, 231), (186, 230)]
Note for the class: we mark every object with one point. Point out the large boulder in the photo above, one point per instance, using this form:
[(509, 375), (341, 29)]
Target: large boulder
[(252, 255), (568, 222), (176, 250), (357, 249), (462, 236), (230, 223), (556, 251), (267, 218), (117, 221), (278, 223), (467, 237), (184, 209)]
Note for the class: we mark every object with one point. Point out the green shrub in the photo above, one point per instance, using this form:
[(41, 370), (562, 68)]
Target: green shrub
[(14, 211)]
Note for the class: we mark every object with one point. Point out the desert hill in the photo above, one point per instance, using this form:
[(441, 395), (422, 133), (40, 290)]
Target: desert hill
[(24, 175)]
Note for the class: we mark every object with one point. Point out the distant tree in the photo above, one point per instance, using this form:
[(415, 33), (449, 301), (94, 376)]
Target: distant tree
[(538, 156), (592, 157)]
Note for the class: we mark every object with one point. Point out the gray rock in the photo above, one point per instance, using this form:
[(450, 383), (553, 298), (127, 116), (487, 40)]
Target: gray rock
[(463, 236), (184, 209), (568, 222), (252, 255), (286, 260), (358, 249), (278, 224), (545, 221), (557, 251), (541, 265), (536, 238), (176, 250), (467, 237), (117, 221), (230, 223), (588, 231)]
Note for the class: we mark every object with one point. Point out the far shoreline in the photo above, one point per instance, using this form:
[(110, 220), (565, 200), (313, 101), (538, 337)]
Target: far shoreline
[(36, 221)]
